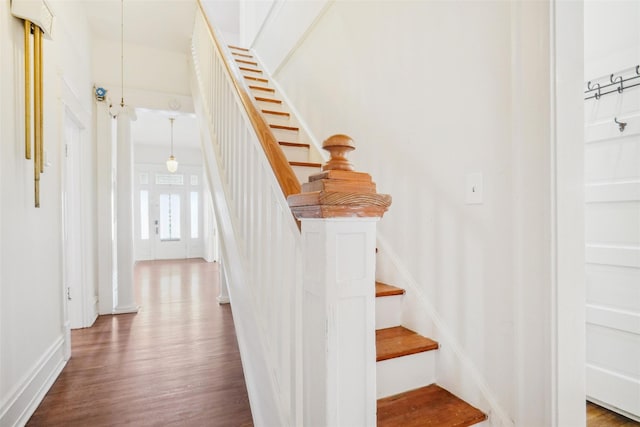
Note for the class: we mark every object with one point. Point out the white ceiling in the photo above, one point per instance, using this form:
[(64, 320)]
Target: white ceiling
[(153, 127), (161, 24), (166, 25)]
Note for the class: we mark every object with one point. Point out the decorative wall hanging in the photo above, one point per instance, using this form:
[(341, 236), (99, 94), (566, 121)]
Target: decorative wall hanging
[(38, 21)]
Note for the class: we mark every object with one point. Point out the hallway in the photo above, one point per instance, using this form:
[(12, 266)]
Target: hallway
[(175, 362)]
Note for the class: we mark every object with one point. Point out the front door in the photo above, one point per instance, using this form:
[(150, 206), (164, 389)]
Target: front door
[(168, 213)]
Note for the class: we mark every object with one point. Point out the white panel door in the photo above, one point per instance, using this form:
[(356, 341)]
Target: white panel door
[(612, 214), (72, 226)]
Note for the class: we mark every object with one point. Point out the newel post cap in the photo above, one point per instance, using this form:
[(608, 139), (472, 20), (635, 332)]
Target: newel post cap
[(339, 191), (338, 146)]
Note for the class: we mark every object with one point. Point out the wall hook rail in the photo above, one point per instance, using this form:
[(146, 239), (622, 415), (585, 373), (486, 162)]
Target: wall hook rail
[(616, 84)]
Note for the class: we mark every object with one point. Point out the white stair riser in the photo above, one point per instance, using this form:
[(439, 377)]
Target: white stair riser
[(257, 92), (250, 73), (303, 172), (296, 154), (285, 135), (405, 373), (388, 311), (268, 105), (250, 82), (274, 119)]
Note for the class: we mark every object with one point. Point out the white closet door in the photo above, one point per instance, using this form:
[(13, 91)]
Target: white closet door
[(612, 174)]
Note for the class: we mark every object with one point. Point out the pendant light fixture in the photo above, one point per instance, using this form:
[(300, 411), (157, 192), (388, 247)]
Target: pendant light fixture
[(172, 163)]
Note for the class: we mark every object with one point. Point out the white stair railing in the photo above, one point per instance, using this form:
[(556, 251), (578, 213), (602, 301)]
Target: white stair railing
[(260, 239)]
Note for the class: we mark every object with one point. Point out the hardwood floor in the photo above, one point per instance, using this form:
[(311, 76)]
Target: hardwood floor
[(598, 416), (175, 362)]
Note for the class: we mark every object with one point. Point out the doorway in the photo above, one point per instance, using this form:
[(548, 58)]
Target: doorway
[(168, 213), (74, 286), (612, 208)]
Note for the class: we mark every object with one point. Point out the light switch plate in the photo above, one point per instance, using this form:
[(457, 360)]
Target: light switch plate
[(474, 189)]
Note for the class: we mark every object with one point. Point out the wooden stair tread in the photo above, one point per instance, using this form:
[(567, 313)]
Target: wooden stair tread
[(293, 144), (244, 61), (244, 49), (253, 70), (262, 88), (430, 406), (276, 113), (307, 164), (244, 55), (384, 290), (284, 127), (257, 79), (400, 341), (275, 101)]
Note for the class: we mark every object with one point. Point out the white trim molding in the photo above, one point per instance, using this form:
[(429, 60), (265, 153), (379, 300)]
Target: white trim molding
[(26, 397)]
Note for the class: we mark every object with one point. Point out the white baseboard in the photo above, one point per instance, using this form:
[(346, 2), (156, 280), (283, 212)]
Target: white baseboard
[(223, 300), (25, 397), (93, 316), (126, 309), (475, 390)]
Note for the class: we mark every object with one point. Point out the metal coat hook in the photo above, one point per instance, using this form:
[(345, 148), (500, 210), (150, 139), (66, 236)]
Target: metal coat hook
[(621, 125), (594, 87), (617, 80)]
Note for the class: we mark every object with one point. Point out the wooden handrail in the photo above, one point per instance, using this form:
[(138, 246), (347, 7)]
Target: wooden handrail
[(279, 163)]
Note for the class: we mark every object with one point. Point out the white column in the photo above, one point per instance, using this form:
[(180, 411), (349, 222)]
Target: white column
[(105, 221), (339, 321), (125, 299)]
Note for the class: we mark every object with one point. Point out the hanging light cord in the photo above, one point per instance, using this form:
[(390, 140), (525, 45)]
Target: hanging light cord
[(122, 52), (172, 119)]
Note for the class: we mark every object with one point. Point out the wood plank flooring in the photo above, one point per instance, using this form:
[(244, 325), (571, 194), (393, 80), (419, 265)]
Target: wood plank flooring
[(597, 416), (175, 362)]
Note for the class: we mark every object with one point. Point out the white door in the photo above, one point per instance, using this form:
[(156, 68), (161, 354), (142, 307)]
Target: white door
[(169, 217), (612, 214), (168, 213), (72, 226)]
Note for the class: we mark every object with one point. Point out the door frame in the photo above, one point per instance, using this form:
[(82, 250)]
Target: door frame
[(568, 289), (73, 109), (73, 240)]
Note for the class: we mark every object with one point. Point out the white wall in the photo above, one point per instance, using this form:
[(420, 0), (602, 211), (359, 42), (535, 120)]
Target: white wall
[(431, 92), (251, 19), (153, 78), (157, 154), (32, 332), (611, 38), (145, 68)]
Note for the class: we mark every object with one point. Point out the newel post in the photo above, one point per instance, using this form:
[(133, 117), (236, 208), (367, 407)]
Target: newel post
[(339, 209)]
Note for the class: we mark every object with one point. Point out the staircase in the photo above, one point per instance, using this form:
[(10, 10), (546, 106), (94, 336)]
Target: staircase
[(275, 113), (406, 392), (405, 360)]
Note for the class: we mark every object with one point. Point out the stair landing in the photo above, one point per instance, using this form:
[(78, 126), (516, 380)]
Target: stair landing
[(430, 406)]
